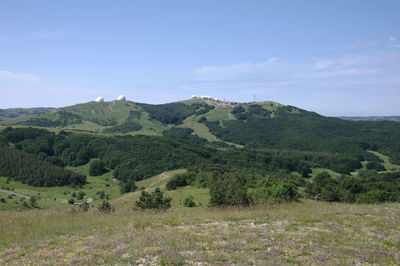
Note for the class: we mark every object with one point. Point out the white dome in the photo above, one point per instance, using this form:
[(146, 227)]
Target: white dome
[(121, 98), (99, 99)]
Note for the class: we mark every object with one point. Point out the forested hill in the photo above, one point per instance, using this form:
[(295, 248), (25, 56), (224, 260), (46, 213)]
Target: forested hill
[(11, 113), (371, 118), (292, 128), (262, 125)]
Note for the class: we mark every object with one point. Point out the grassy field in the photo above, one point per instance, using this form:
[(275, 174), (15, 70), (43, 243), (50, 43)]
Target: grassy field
[(307, 232), (293, 233), (57, 197), (388, 165)]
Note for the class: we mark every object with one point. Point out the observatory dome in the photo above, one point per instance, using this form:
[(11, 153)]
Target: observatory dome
[(121, 98), (99, 99)]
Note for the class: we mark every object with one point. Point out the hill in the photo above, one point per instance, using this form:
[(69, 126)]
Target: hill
[(261, 125), (371, 118), (243, 153), (12, 113)]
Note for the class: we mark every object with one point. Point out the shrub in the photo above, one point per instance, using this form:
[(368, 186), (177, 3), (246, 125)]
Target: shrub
[(177, 181), (154, 200), (127, 186), (228, 189), (270, 191), (104, 207), (375, 166), (282, 192), (188, 202), (32, 200), (374, 196), (101, 194), (80, 195), (71, 201), (84, 206)]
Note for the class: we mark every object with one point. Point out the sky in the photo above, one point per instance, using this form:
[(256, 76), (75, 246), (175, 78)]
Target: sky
[(332, 57)]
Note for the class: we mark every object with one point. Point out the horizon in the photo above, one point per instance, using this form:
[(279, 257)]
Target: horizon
[(336, 59)]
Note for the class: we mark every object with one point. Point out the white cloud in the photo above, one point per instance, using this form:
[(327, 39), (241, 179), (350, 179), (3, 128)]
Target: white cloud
[(18, 77), (392, 39), (369, 73)]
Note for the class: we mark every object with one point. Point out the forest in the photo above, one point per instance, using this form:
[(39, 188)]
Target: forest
[(234, 176), (295, 129)]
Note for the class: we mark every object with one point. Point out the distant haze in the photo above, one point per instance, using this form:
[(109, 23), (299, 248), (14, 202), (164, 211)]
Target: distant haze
[(337, 58)]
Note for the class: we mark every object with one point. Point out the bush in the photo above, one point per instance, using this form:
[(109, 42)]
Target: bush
[(80, 195), (324, 187), (376, 196), (84, 206), (154, 200), (71, 201), (32, 200), (375, 166), (97, 168), (228, 189), (177, 181), (101, 194), (270, 191), (127, 186), (188, 202), (283, 192), (105, 207)]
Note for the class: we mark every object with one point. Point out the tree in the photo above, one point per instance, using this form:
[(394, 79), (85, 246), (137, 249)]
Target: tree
[(97, 168), (127, 186), (154, 200)]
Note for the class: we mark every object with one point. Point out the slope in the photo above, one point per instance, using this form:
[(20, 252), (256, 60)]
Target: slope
[(12, 113)]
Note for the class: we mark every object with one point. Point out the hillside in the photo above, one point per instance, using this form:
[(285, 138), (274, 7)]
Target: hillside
[(12, 113), (258, 125), (243, 153), (371, 118)]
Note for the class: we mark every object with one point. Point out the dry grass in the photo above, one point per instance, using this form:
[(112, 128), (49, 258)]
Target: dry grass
[(292, 233)]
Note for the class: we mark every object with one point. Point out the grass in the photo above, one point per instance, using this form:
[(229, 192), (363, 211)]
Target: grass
[(218, 114), (200, 129), (57, 197), (291, 233), (387, 164), (316, 171)]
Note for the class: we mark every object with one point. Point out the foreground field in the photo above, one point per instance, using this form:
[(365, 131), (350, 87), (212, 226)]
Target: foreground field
[(293, 233)]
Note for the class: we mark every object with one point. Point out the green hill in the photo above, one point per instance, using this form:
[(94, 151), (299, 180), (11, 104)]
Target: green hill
[(253, 125), (12, 113), (371, 118)]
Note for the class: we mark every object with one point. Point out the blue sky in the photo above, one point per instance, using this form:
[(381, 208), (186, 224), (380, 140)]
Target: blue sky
[(332, 57)]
